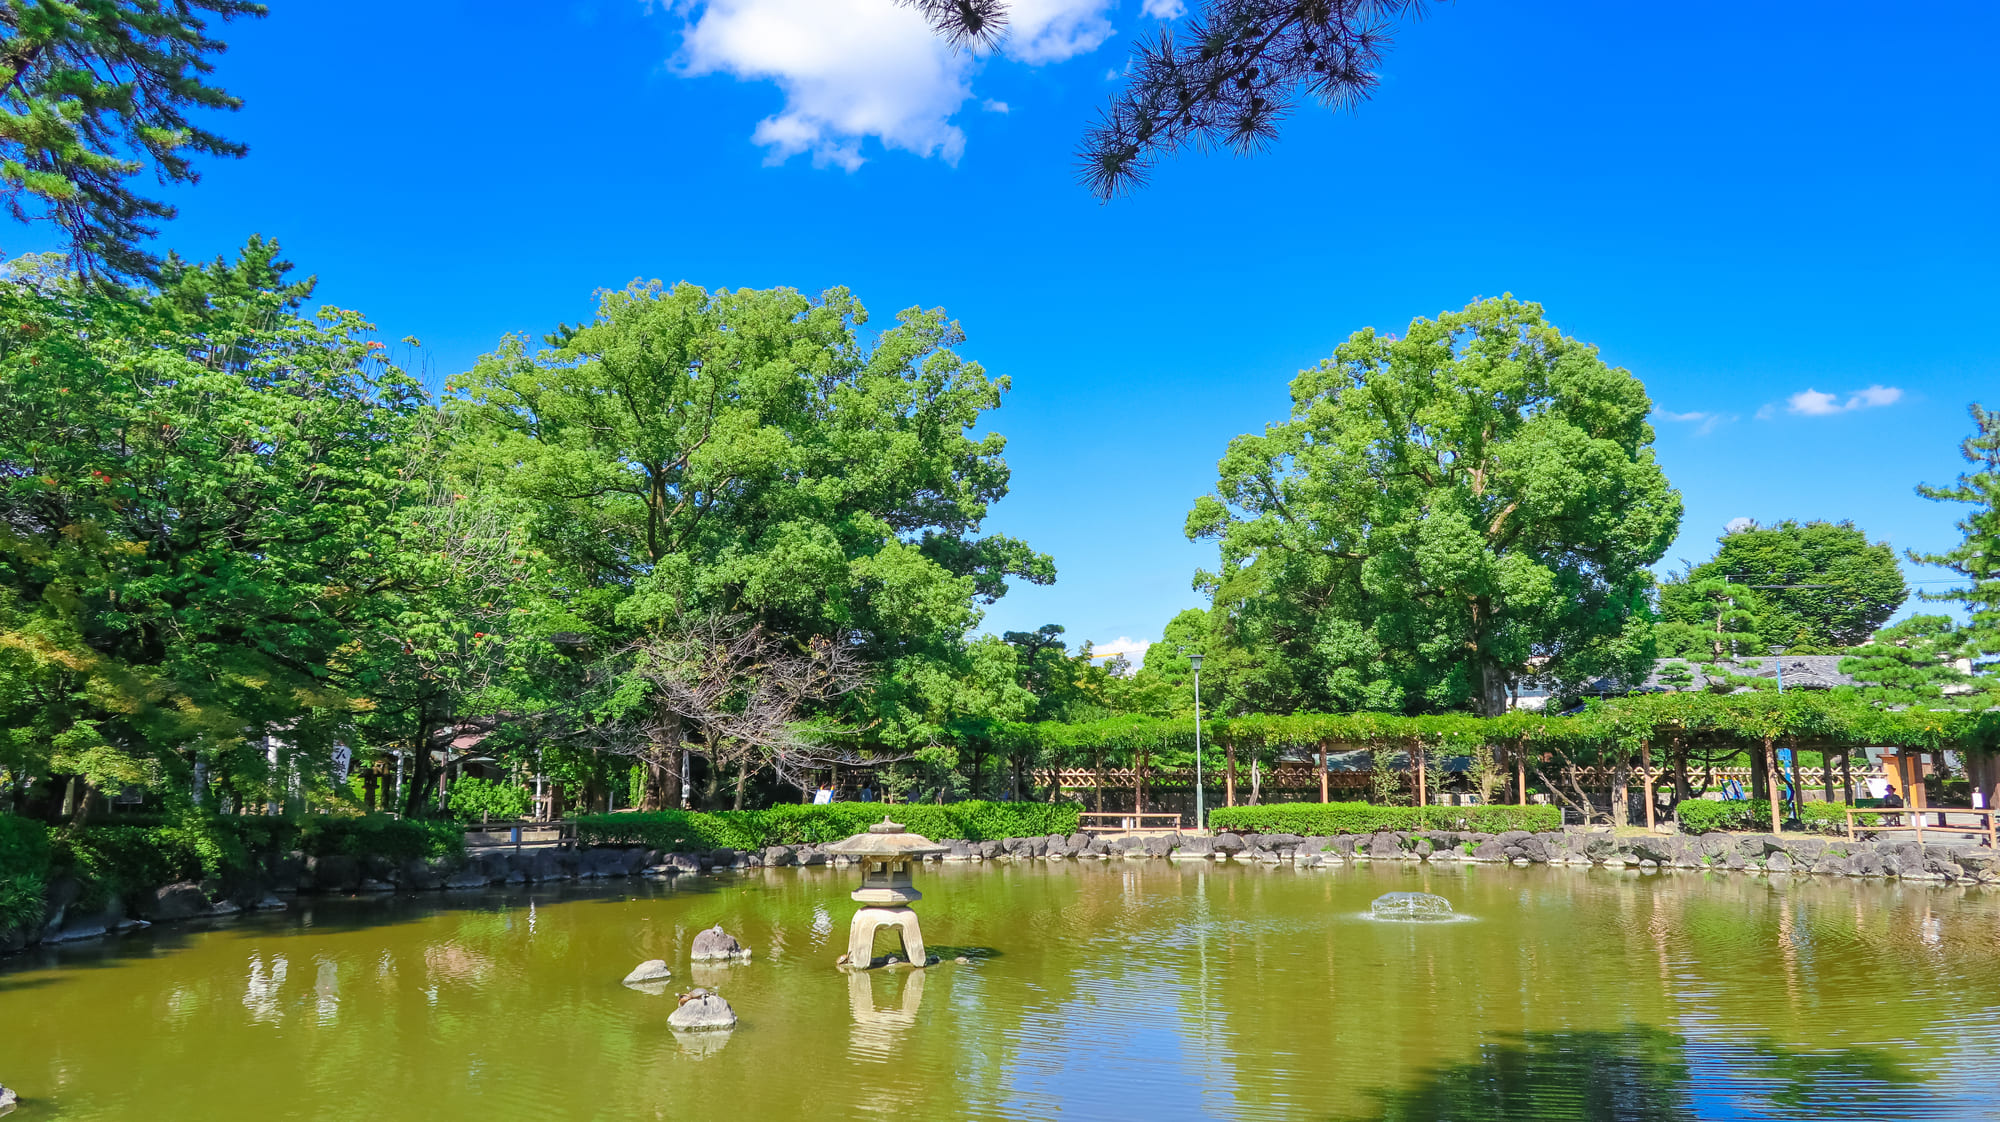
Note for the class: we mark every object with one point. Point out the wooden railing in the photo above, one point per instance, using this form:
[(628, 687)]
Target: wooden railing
[(1127, 822), (1910, 819), (517, 834)]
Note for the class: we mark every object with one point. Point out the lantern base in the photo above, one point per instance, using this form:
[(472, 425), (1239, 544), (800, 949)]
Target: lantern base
[(867, 921)]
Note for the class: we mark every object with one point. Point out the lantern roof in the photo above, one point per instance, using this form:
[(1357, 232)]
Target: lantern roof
[(886, 839)]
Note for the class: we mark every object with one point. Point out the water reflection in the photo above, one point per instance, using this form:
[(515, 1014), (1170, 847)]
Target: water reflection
[(1650, 1075), (879, 1032)]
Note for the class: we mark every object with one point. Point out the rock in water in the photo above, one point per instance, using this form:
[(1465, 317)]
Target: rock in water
[(717, 945), (651, 970), (702, 1009), (1417, 906)]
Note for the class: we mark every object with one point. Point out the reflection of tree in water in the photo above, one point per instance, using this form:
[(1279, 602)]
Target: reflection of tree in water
[(1650, 1075)]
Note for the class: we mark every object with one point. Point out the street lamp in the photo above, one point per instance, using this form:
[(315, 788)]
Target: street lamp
[(1200, 805)]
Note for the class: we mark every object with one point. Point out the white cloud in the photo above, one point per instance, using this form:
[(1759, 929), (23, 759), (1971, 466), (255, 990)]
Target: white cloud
[(1705, 422), (854, 69), (1134, 650), (1813, 403), (1044, 31), (1163, 9), (1738, 525), (992, 106)]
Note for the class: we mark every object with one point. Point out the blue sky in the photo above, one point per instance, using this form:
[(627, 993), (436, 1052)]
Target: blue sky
[(1741, 203)]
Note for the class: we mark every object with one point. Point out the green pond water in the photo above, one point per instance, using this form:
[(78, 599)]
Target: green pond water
[(1122, 990)]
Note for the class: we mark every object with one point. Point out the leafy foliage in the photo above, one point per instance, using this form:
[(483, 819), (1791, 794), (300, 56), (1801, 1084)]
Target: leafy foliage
[(203, 498), (96, 90), (1327, 819), (1809, 587), (1231, 75), (474, 800), (1706, 816), (793, 824), (1977, 556), (1441, 508)]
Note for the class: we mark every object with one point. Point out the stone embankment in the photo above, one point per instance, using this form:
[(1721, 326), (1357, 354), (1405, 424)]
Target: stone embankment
[(68, 919)]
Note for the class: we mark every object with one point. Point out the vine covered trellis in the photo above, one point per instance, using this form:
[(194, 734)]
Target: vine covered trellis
[(1656, 735)]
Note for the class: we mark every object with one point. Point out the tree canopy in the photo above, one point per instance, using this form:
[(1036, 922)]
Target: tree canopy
[(1811, 587), (97, 90), (1442, 508)]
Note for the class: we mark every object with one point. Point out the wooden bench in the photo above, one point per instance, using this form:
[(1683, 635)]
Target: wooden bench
[(1128, 822), (1911, 820)]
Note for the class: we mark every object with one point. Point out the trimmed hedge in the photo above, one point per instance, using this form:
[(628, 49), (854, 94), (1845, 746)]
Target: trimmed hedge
[(676, 830), (121, 858), (1705, 816), (1325, 819)]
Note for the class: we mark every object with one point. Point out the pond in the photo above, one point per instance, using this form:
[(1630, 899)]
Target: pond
[(1131, 989)]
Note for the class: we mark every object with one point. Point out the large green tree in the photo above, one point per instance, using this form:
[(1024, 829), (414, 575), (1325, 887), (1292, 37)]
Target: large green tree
[(1441, 508), (1810, 586), (742, 452), (95, 91), (204, 499)]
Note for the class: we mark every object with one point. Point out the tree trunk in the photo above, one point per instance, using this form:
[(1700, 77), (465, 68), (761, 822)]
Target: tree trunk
[(1681, 790), (1492, 688), (1771, 780), (1097, 777), (742, 778), (1847, 775), (418, 783), (1138, 781), (663, 771), (1646, 771)]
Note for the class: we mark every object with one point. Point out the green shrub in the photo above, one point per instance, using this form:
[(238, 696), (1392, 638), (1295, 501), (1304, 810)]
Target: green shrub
[(1705, 816), (476, 800), (379, 835), (24, 870), (24, 847), (794, 824), (1326, 819)]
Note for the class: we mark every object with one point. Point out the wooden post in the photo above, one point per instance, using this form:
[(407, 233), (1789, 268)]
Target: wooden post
[(1322, 772), (1798, 785), (1138, 781), (1418, 752), (1097, 776), (1771, 780), (1646, 773), (1229, 776), (1521, 773)]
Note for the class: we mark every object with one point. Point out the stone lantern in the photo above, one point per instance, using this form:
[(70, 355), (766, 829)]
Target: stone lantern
[(885, 852)]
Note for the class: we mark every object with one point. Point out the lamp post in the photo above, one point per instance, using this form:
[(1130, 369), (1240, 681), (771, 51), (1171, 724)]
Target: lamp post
[(1200, 803)]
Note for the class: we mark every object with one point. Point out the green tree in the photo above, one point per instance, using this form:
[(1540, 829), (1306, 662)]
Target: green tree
[(1810, 586), (1443, 506), (1911, 663), (1977, 556), (1706, 619), (203, 499), (95, 91), (743, 453)]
